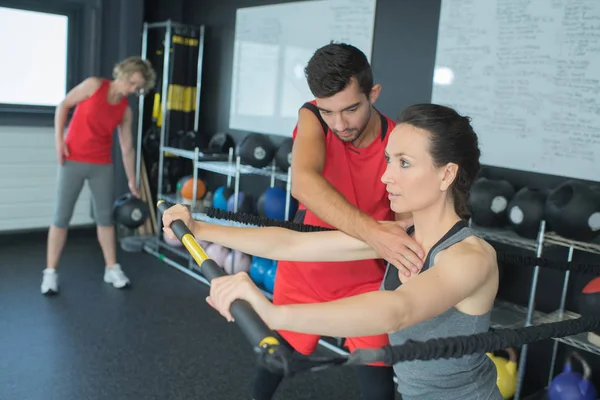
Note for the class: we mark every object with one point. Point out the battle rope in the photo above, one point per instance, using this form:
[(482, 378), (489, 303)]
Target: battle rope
[(503, 257), (449, 347)]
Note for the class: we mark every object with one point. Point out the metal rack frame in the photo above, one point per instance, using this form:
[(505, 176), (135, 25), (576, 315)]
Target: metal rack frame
[(508, 315), (168, 26)]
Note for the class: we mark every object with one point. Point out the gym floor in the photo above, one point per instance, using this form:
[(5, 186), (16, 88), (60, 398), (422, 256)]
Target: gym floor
[(155, 340)]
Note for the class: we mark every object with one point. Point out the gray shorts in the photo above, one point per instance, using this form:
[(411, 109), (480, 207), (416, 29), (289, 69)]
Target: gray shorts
[(71, 176)]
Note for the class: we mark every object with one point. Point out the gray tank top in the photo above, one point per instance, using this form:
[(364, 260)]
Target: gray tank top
[(471, 377)]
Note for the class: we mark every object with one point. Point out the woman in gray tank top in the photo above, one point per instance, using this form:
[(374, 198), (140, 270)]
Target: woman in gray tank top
[(433, 157)]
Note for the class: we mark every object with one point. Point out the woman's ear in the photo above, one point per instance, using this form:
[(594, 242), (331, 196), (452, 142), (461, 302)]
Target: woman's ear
[(448, 174)]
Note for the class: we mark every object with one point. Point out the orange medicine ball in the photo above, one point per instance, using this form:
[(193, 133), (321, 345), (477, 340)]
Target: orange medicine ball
[(187, 189)]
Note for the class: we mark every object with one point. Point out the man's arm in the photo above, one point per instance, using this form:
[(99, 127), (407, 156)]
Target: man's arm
[(310, 187), (127, 151)]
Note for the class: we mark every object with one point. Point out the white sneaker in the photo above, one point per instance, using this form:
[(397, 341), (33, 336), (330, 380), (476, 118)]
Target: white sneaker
[(116, 276), (50, 282)]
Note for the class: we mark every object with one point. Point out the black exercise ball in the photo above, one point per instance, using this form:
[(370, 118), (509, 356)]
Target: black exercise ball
[(220, 143), (283, 157), (573, 211), (526, 212), (488, 202), (260, 205), (255, 150), (130, 211)]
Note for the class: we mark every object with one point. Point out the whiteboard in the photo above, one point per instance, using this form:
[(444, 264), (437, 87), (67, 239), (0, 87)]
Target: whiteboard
[(271, 48), (528, 73)]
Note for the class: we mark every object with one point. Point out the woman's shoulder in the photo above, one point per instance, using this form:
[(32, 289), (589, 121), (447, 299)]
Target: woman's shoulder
[(472, 251)]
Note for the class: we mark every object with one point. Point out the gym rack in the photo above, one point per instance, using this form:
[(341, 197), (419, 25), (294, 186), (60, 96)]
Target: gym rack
[(509, 315)]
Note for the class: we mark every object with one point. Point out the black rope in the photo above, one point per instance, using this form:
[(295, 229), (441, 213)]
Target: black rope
[(455, 347), (449, 347), (503, 257), (250, 219), (523, 260)]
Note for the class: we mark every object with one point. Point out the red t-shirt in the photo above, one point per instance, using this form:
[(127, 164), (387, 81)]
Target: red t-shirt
[(356, 174), (91, 131)]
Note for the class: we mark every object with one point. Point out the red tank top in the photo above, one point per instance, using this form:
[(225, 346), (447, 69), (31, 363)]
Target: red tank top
[(91, 130), (356, 174)]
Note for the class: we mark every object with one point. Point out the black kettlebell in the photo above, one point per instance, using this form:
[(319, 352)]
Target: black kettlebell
[(283, 157), (130, 211), (489, 200), (526, 211), (573, 211), (220, 143), (255, 150)]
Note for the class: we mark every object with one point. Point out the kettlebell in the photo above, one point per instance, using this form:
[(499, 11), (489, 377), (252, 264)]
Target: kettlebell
[(130, 211), (573, 211), (571, 385), (526, 211), (489, 200), (506, 372)]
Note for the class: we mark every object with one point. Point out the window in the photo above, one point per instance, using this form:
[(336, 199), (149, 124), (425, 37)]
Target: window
[(33, 71)]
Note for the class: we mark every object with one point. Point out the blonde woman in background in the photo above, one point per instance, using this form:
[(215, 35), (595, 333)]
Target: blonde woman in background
[(85, 153)]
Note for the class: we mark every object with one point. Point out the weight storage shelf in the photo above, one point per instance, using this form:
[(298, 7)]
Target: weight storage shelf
[(225, 167), (579, 341), (509, 237)]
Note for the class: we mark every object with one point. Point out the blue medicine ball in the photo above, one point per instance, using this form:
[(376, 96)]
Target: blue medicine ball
[(274, 204), (221, 196)]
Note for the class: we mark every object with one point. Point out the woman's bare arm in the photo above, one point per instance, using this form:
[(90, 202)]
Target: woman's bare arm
[(284, 244)]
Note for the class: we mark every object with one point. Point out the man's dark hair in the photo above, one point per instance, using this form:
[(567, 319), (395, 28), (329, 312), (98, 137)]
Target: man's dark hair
[(331, 68)]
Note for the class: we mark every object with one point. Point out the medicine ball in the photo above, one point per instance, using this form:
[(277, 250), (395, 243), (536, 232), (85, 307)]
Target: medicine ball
[(526, 212), (220, 143), (259, 268), (244, 205), (589, 305), (283, 157), (573, 211), (489, 200), (130, 211), (222, 194), (217, 253), (186, 140), (255, 150), (274, 204), (187, 189), (269, 278), (236, 261)]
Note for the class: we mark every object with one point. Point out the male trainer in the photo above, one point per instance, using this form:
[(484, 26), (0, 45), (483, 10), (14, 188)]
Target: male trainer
[(338, 158)]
